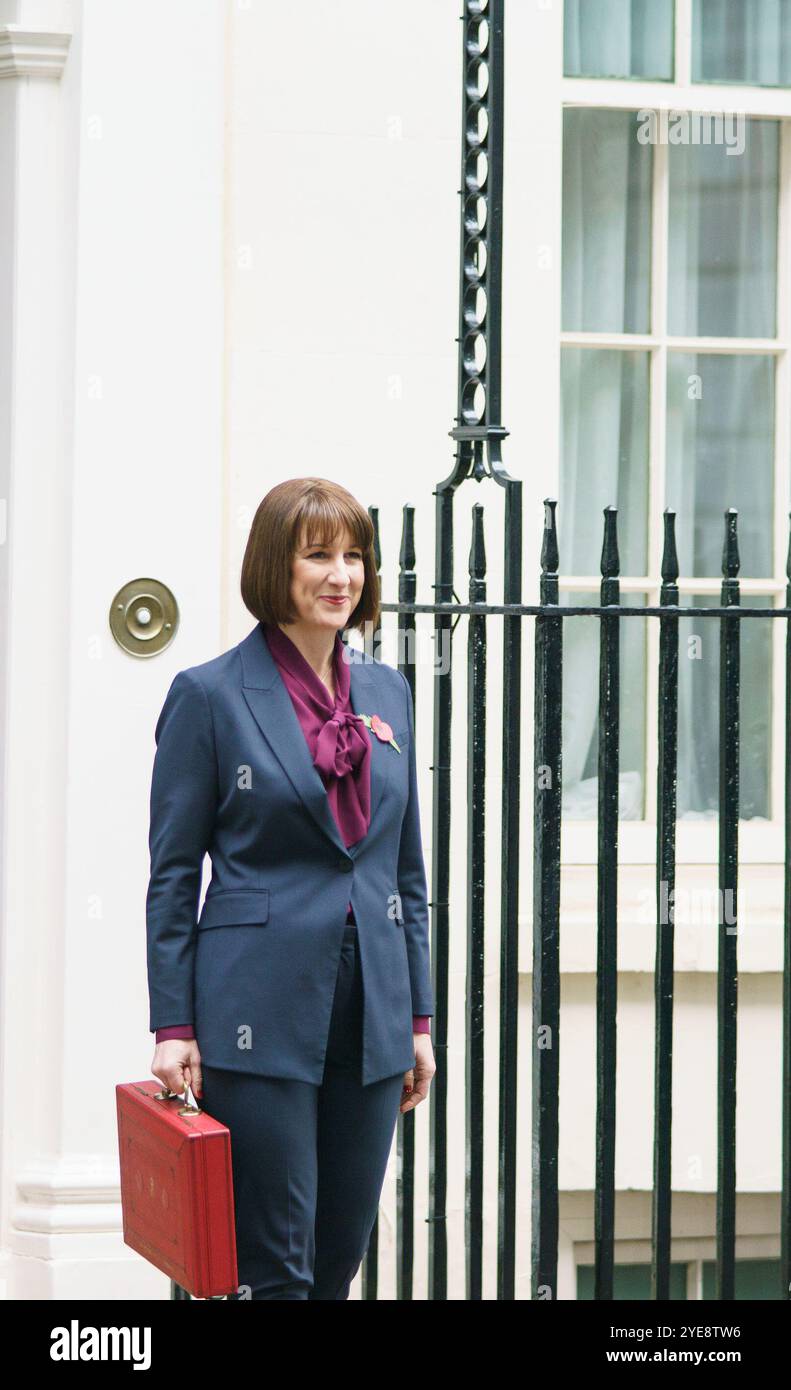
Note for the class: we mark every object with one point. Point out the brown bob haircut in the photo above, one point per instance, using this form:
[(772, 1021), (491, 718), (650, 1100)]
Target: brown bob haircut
[(321, 511)]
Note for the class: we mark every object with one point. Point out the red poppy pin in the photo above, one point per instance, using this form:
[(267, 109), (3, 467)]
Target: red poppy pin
[(383, 731)]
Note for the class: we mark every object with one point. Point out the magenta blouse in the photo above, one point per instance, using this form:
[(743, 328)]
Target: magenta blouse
[(341, 752)]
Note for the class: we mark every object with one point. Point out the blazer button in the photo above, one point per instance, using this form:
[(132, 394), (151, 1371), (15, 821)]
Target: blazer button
[(345, 865)]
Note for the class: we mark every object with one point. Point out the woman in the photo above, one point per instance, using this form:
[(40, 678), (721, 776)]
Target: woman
[(297, 1005)]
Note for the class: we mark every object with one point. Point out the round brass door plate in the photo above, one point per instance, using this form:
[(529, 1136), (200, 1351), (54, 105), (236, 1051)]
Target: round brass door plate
[(144, 617)]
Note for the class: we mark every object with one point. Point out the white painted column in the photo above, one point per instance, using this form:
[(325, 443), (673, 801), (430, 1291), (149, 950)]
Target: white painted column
[(35, 458)]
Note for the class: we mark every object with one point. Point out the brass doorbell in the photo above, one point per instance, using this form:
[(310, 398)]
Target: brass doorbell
[(144, 617)]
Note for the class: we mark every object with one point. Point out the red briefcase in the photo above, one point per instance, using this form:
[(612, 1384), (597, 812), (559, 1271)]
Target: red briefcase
[(177, 1187)]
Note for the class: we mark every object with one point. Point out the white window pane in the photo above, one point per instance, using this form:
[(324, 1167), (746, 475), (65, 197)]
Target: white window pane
[(604, 456), (606, 223), (698, 711), (581, 638), (618, 38), (722, 262), (720, 444), (742, 41)]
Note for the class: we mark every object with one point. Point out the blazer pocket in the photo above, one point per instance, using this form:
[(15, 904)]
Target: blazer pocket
[(235, 907)]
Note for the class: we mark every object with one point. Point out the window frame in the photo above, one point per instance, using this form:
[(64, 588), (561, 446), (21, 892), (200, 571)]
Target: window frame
[(761, 841)]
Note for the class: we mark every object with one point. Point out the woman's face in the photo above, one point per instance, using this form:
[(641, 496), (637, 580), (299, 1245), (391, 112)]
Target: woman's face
[(319, 573)]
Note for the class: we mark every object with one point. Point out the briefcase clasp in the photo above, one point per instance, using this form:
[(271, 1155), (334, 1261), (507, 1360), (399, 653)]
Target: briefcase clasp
[(186, 1109)]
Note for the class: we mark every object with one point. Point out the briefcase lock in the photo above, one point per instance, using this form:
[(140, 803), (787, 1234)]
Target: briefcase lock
[(167, 1094)]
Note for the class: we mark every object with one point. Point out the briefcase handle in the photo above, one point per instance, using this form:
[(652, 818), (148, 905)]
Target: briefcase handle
[(186, 1109)]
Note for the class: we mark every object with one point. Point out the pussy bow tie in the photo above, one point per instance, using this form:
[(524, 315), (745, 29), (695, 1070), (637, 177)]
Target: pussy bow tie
[(341, 745)]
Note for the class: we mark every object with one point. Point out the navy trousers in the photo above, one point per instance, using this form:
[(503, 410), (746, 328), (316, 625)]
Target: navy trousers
[(308, 1161)]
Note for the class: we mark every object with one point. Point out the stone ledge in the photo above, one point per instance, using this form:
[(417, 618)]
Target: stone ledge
[(32, 52)]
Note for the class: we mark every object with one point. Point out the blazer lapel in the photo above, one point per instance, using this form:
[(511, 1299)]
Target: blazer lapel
[(270, 703)]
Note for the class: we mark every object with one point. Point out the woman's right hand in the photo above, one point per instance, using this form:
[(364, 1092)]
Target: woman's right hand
[(177, 1064)]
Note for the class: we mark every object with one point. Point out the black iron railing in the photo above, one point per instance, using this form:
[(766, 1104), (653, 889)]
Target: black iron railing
[(546, 714), (478, 434)]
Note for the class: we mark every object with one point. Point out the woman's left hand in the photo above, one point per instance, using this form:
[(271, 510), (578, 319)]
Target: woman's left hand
[(418, 1079)]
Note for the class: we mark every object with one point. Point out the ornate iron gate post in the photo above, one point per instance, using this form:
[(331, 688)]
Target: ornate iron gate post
[(478, 433)]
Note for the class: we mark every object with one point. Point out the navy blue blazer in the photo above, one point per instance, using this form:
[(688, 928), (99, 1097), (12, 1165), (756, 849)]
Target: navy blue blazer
[(254, 973)]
